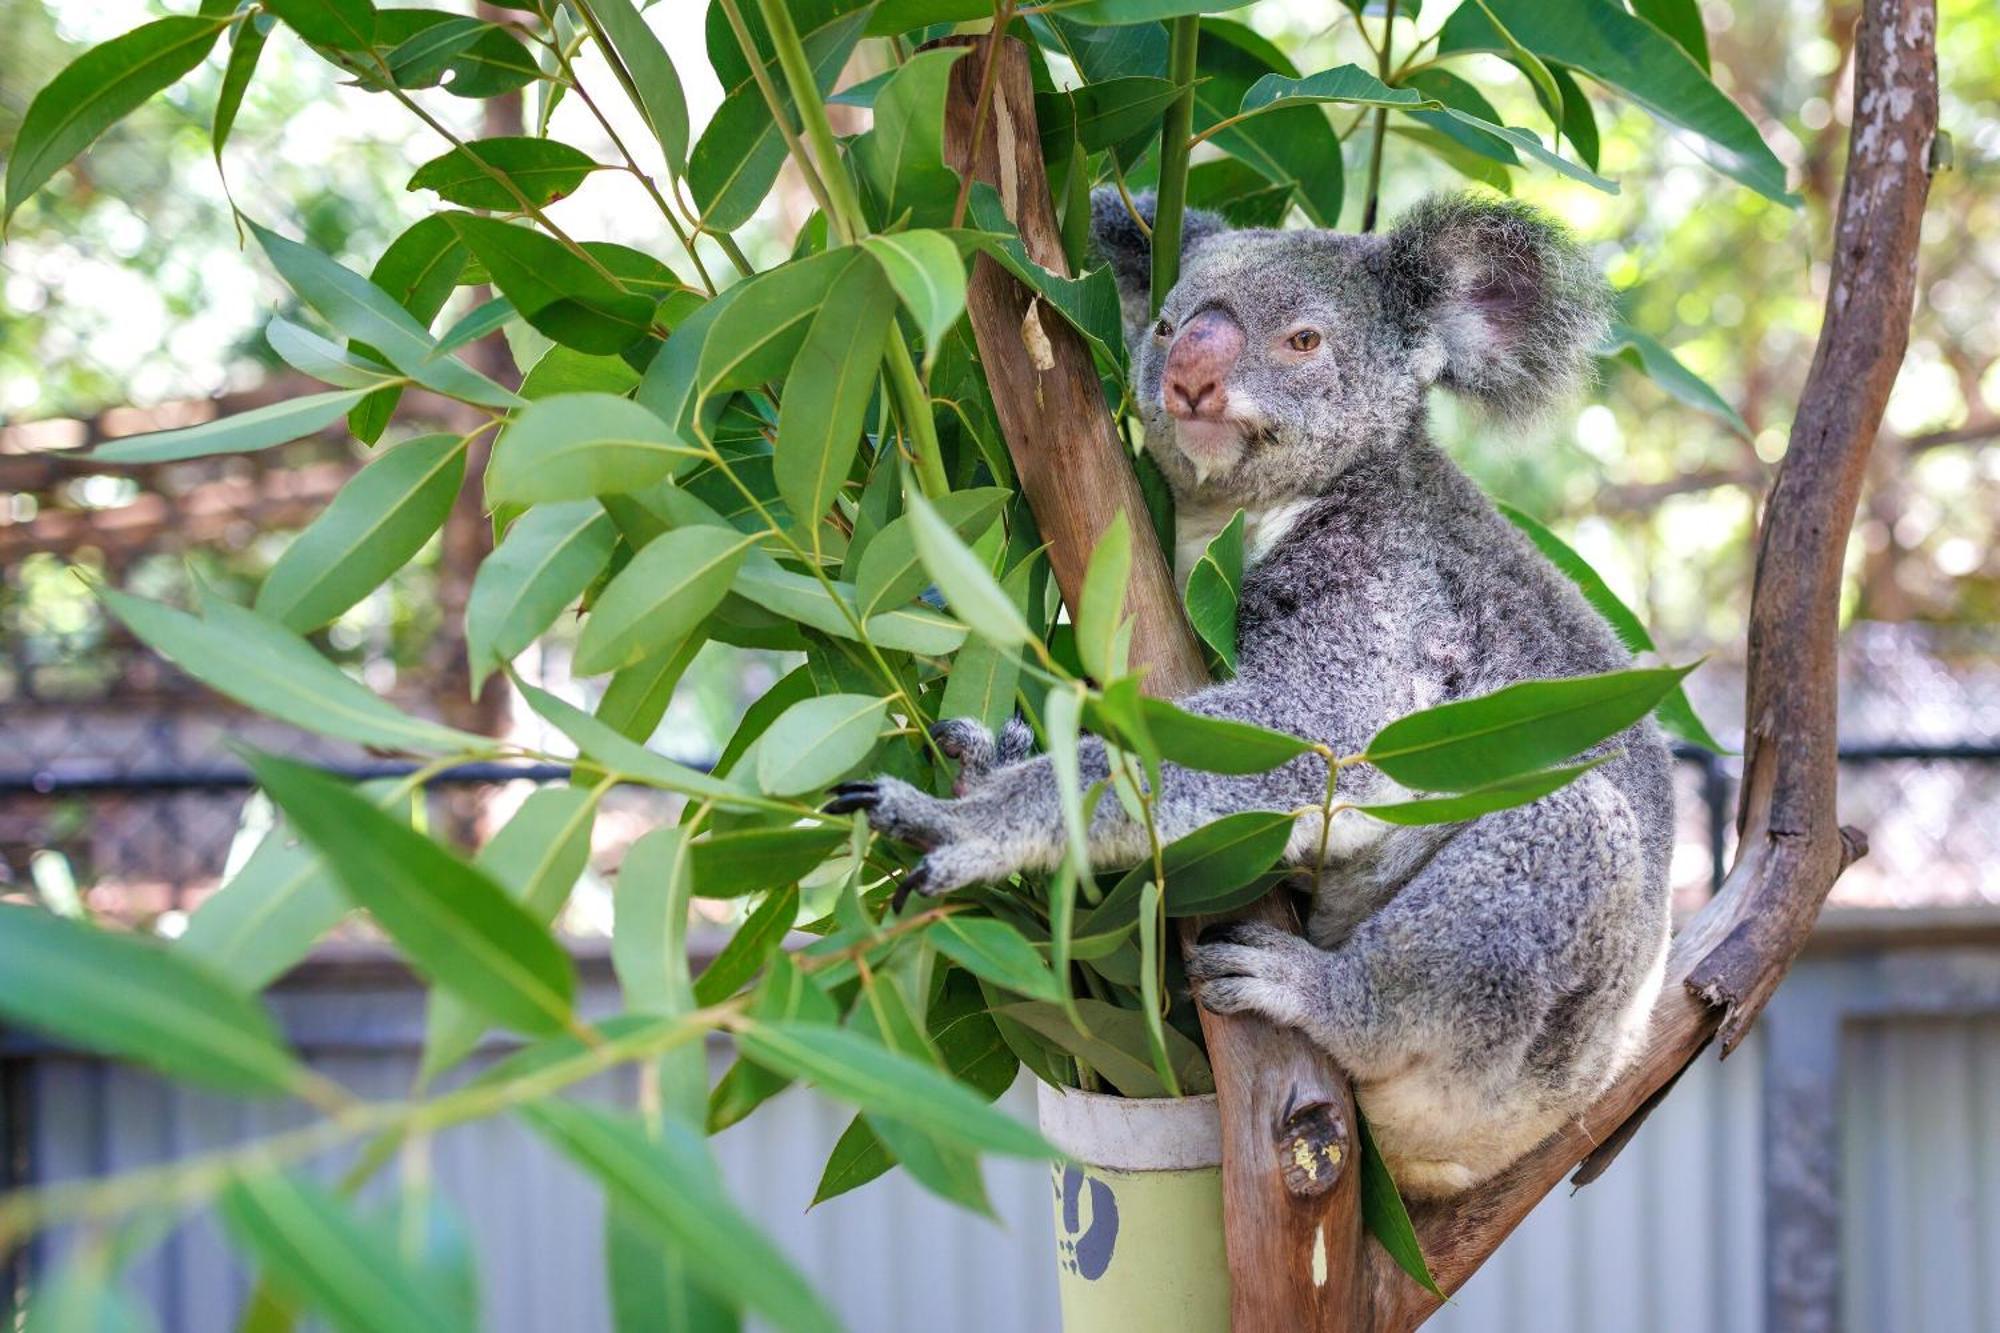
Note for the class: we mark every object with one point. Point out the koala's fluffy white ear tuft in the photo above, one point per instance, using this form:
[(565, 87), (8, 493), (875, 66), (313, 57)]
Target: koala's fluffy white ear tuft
[(1119, 240), (1511, 308)]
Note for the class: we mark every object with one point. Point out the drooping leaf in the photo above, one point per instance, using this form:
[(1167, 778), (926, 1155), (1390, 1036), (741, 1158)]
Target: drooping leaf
[(318, 1253), (577, 445), (663, 593), (131, 997), (246, 45), (375, 526), (557, 291), (1382, 1211), (818, 741), (857, 1070), (1117, 1047), (345, 25), (928, 274), (603, 743), (831, 609), (97, 90), (729, 865), (827, 390), (1213, 587), (453, 921), (1347, 84), (419, 271), (1649, 357), (968, 586), (540, 171), (1680, 20), (1289, 146), (647, 73), (1101, 611), (1675, 713), (261, 665), (901, 159), (1515, 730), (550, 555), (994, 950), (750, 947), (667, 1183), (258, 428)]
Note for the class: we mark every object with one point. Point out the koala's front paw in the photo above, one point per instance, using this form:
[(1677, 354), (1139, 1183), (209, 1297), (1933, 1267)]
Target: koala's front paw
[(977, 751), (1243, 966), (897, 809)]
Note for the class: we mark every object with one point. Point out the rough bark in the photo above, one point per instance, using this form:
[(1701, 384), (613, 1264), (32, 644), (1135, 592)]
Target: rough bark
[(1290, 1194)]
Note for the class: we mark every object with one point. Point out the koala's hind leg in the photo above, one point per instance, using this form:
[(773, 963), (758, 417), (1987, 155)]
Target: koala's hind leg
[(1485, 1000)]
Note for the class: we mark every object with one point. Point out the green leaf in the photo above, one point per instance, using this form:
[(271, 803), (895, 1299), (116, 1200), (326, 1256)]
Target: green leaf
[(1502, 795), (756, 332), (131, 997), (827, 391), (1291, 146), (275, 907), (1149, 985), (246, 44), (669, 587), (550, 555), (928, 274), (536, 857), (1443, 86), (668, 1183), (555, 290), (1101, 611), (803, 598), (1387, 1219), (97, 90), (258, 428), (308, 353), (1204, 869), (901, 159), (1675, 713), (1516, 730), (604, 744), (419, 271), (1632, 56), (946, 1169), (966, 583), (1648, 356), (456, 924), (1213, 587), (375, 526), (858, 1157), (1117, 1046), (890, 573), (1346, 84), (643, 67), (998, 952), (577, 445), (1117, 13), (541, 171), (345, 25), (1088, 303), (738, 156), (563, 370), (1579, 120), (751, 860), (649, 952), (1216, 744), (817, 742), (1531, 143), (366, 313), (266, 668), (857, 1070), (314, 1250), (750, 947), (1101, 115), (652, 1284), (1680, 20)]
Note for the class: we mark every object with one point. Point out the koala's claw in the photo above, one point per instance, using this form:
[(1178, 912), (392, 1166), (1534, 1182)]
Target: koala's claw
[(851, 796), (978, 751), (1243, 966)]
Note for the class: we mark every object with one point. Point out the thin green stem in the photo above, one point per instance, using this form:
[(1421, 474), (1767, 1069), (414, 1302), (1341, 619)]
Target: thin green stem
[(845, 213), (1383, 56), (913, 405), (1175, 127)]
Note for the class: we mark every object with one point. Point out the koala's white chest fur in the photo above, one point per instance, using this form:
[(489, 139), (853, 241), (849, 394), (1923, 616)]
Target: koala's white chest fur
[(1195, 526)]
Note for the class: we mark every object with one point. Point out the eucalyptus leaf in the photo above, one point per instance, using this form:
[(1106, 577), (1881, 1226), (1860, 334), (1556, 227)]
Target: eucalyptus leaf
[(548, 557), (573, 446), (818, 741)]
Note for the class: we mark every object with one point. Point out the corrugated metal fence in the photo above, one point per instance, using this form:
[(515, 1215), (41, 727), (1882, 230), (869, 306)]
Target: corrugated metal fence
[(1848, 1156)]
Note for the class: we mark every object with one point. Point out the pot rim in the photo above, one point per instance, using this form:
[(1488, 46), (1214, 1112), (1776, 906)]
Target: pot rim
[(1132, 1133)]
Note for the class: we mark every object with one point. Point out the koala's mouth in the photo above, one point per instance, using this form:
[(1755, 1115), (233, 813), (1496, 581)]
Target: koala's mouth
[(1212, 445)]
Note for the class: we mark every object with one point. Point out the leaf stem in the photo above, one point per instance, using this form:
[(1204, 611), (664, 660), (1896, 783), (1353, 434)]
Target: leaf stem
[(843, 206), (1171, 204), (1383, 55)]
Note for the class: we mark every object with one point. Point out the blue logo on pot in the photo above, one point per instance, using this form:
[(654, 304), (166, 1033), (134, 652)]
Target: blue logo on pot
[(1086, 1243)]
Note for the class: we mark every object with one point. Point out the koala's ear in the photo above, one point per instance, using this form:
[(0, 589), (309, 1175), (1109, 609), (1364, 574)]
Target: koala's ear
[(1507, 307), (1120, 241)]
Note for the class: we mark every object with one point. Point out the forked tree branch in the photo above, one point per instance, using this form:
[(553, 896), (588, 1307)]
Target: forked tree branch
[(1731, 957)]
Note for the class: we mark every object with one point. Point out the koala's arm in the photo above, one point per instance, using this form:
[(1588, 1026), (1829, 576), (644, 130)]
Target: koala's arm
[(1009, 817)]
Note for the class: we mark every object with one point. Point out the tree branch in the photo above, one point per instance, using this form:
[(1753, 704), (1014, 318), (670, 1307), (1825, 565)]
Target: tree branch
[(1731, 957)]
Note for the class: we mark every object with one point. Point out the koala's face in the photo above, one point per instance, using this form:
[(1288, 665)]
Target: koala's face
[(1280, 354), (1275, 355)]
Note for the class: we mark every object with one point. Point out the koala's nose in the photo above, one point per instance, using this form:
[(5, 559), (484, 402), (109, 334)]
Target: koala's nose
[(1198, 365)]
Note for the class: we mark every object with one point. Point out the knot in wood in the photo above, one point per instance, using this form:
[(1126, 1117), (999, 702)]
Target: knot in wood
[(1313, 1149)]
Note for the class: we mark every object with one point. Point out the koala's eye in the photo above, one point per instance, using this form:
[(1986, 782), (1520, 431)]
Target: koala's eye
[(1163, 329), (1305, 340)]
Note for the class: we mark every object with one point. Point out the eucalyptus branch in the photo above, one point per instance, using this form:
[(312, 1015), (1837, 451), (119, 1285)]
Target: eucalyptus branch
[(845, 214), (752, 58), (1171, 202), (1384, 55)]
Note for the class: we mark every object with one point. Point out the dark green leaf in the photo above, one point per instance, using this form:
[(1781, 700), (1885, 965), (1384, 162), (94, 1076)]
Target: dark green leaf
[(901, 159), (1516, 730), (827, 391), (1212, 589), (756, 332), (345, 25), (1386, 1218), (817, 742), (555, 290), (1204, 869), (648, 74), (130, 996), (97, 90), (1503, 795), (375, 526), (1675, 713), (1117, 13), (540, 171), (1215, 744), (669, 587), (1117, 1047), (419, 271), (1680, 20), (245, 46), (1101, 115), (258, 428), (730, 865), (577, 445), (750, 947), (1292, 146), (1648, 356), (456, 924), (996, 951), (890, 573)]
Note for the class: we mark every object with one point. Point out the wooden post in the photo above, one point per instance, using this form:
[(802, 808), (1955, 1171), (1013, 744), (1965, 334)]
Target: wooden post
[(1291, 1190)]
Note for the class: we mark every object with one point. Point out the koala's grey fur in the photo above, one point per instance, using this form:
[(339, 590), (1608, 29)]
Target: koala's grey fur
[(1481, 981)]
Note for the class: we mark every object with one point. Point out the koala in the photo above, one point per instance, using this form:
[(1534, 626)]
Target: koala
[(1480, 981)]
